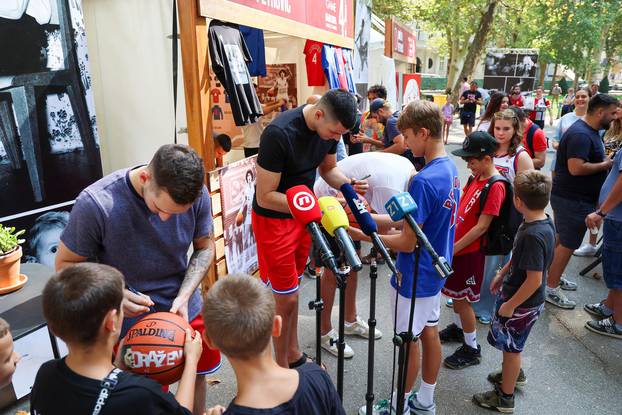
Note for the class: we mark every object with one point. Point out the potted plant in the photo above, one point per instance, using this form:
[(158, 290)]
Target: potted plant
[(10, 255)]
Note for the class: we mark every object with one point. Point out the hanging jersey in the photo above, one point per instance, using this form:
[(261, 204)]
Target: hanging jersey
[(313, 60), (341, 68), (347, 54), (330, 66)]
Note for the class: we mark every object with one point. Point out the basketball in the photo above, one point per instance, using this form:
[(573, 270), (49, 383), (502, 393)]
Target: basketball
[(154, 347), (351, 217)]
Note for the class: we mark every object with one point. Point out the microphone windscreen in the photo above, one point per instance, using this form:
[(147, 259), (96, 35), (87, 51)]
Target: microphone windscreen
[(333, 215), (357, 206), (303, 205), (399, 205)]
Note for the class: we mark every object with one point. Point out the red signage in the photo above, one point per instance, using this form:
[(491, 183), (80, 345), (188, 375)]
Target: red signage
[(403, 41), (335, 16)]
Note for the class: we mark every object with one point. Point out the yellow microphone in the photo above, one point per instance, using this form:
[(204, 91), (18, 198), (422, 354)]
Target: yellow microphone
[(335, 221)]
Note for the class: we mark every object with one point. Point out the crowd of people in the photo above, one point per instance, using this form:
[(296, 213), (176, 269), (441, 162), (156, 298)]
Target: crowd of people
[(508, 255)]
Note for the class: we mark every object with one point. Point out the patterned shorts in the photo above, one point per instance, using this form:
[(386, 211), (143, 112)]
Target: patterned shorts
[(510, 334)]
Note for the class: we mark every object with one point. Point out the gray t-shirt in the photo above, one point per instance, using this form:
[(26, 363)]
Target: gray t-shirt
[(111, 224), (532, 251)]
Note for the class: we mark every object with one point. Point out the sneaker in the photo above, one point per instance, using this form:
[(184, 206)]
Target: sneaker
[(449, 302), (484, 320), (366, 260), (497, 377), (597, 310), (360, 328), (451, 334), (559, 299), (418, 409), (606, 327), (331, 346), (495, 400), (567, 285), (310, 272), (464, 356), (382, 408), (585, 250)]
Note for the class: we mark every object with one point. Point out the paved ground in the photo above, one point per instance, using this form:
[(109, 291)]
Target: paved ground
[(569, 369)]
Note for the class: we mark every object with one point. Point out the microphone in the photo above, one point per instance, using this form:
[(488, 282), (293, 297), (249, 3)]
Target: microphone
[(367, 224), (335, 221), (305, 209), (399, 207)]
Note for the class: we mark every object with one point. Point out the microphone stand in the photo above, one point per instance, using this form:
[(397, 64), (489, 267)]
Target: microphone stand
[(373, 276), (404, 339), (318, 306), (342, 280)]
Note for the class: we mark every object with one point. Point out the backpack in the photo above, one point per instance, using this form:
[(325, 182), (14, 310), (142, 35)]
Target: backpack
[(530, 133), (499, 239)]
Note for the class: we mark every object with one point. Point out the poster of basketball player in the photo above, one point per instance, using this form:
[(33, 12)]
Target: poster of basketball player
[(361, 40), (279, 84), (49, 145), (237, 184), (505, 68)]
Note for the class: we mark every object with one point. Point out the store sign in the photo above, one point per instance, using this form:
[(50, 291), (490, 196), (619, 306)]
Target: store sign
[(333, 16), (403, 41)]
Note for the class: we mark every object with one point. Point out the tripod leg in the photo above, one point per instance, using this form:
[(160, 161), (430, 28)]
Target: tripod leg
[(319, 305), (341, 343), (369, 396), (401, 375)]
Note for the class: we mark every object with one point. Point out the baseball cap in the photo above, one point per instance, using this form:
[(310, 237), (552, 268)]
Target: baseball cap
[(476, 144), (376, 104)]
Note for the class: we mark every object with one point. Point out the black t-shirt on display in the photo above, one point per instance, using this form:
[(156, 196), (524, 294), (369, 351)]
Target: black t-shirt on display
[(58, 391), (315, 395), (289, 147), (583, 142), (470, 106), (533, 251), (229, 56)]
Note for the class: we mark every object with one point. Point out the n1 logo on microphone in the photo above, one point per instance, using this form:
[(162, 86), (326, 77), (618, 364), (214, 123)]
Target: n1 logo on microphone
[(304, 201)]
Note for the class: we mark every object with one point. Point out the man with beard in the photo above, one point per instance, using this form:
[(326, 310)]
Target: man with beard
[(580, 171)]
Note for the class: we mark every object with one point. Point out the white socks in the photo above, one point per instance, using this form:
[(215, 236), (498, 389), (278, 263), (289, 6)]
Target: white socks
[(457, 320), (470, 339), (425, 395)]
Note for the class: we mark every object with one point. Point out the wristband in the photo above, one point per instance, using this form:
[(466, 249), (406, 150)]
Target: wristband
[(601, 213)]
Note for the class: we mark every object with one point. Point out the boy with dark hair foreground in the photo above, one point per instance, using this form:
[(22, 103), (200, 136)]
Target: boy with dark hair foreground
[(521, 283), (82, 306), (240, 320), (8, 356)]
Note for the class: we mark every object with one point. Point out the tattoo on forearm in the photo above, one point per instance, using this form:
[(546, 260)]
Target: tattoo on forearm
[(200, 262)]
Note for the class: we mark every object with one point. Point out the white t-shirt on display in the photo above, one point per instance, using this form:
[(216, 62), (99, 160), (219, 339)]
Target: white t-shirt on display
[(389, 175)]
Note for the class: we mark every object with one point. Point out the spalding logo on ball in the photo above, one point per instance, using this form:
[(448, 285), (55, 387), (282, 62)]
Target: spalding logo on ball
[(154, 347)]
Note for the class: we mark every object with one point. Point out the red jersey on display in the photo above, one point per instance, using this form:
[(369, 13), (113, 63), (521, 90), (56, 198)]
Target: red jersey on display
[(469, 211), (313, 59), (215, 95)]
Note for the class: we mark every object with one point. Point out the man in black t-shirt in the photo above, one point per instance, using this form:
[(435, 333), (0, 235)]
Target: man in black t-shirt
[(82, 306), (580, 171), (469, 99), (291, 149)]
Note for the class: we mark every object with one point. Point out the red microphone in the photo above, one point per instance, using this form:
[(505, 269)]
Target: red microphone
[(305, 209)]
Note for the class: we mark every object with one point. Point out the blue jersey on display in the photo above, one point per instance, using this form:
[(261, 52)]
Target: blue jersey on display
[(330, 66), (436, 190), (255, 43)]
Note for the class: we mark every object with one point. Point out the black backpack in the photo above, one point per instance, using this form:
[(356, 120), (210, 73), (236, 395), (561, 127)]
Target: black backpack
[(499, 239)]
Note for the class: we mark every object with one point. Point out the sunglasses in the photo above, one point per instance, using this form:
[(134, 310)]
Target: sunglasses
[(506, 115)]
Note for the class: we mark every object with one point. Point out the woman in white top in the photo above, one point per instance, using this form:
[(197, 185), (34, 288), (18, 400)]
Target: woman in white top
[(581, 99), (499, 101)]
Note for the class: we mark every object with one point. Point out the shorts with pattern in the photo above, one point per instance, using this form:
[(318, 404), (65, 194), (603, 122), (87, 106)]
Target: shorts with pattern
[(510, 334), (466, 281)]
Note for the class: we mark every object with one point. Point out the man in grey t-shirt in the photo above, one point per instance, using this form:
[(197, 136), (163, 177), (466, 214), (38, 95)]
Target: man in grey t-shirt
[(142, 221)]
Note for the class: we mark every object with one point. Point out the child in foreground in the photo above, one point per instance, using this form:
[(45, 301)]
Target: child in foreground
[(8, 356), (521, 284), (240, 320), (82, 306)]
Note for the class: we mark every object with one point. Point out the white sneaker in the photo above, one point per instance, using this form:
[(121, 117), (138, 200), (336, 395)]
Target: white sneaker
[(360, 328), (586, 250), (348, 353)]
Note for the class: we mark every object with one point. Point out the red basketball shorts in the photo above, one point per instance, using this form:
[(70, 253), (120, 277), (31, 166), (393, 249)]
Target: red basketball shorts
[(282, 249)]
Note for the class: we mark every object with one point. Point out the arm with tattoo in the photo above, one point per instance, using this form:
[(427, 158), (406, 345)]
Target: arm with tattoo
[(199, 265)]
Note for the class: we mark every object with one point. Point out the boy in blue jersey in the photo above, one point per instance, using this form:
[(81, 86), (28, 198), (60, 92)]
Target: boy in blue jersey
[(436, 189)]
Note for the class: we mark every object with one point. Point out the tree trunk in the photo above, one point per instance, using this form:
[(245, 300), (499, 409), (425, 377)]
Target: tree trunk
[(476, 47), (554, 74), (575, 84), (543, 65), (451, 57)]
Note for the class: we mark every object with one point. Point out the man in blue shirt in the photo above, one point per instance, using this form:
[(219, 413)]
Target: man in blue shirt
[(609, 311), (436, 189), (580, 171)]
